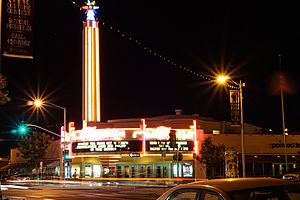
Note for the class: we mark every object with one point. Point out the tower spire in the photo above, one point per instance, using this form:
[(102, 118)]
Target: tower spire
[(90, 10), (91, 66)]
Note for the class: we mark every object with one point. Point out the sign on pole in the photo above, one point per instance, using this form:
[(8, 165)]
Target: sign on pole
[(17, 21), (235, 107), (132, 155)]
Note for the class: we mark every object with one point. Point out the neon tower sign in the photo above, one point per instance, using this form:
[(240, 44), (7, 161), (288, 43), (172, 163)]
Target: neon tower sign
[(91, 66)]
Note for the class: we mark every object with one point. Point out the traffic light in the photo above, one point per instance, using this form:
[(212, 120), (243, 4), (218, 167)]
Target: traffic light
[(178, 156), (23, 129), (172, 138), (66, 155)]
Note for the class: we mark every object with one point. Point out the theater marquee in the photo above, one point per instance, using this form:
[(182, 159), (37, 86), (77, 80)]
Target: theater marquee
[(107, 146), (129, 146), (159, 145)]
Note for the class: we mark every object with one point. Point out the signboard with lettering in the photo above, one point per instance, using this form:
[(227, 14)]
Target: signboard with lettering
[(235, 107), (17, 28), (132, 155), (107, 146), (164, 145)]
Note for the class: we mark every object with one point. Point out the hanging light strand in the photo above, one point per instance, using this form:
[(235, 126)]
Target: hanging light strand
[(156, 53), (160, 56)]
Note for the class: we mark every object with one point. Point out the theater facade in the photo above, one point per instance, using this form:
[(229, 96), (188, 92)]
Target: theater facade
[(135, 148), (140, 148)]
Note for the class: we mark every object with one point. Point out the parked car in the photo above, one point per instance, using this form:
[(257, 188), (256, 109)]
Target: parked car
[(235, 189), (17, 177), (0, 191), (293, 176)]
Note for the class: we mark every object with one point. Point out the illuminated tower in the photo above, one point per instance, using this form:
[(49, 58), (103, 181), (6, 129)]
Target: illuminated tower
[(90, 66)]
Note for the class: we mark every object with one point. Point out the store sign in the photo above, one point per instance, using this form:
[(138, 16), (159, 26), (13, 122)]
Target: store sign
[(288, 145), (107, 146), (94, 134), (159, 145), (162, 133)]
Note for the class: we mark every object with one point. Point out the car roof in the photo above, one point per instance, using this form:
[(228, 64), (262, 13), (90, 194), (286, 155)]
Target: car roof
[(233, 184)]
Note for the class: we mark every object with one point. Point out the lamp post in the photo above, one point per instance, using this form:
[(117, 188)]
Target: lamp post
[(38, 103), (281, 82), (222, 80)]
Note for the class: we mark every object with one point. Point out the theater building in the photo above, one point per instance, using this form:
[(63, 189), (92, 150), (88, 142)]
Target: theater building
[(140, 148), (136, 148)]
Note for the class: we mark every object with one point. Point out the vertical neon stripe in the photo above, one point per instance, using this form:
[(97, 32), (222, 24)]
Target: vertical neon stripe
[(144, 136), (92, 75), (89, 86), (98, 85), (91, 99), (85, 92), (196, 150)]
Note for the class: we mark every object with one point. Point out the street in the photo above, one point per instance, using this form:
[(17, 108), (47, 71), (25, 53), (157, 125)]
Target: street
[(81, 192)]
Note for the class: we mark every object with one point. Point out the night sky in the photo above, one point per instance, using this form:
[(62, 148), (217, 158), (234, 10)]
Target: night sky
[(243, 38)]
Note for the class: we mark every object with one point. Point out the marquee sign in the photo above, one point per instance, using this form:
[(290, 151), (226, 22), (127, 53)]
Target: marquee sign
[(107, 146), (159, 145)]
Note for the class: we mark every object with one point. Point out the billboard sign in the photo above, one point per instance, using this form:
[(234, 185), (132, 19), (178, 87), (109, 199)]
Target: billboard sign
[(107, 146), (17, 22)]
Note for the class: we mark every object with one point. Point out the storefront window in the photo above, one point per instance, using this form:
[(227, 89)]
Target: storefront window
[(88, 171), (75, 171), (132, 171), (142, 172), (126, 171), (158, 172), (187, 170), (177, 172), (149, 171), (165, 174), (119, 171), (97, 171), (105, 171)]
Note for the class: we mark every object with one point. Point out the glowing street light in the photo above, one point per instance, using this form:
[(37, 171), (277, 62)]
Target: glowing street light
[(39, 103), (222, 79)]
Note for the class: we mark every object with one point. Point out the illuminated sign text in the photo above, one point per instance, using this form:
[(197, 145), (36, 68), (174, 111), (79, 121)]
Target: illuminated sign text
[(107, 146), (159, 145)]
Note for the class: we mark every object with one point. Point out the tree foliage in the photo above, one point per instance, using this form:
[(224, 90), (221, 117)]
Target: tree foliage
[(3, 93), (34, 147), (213, 155)]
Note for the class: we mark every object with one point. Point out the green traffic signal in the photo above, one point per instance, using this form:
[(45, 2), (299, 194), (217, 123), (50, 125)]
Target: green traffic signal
[(66, 155), (23, 129)]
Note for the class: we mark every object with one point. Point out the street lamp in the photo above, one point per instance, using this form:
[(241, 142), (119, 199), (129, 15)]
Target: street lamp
[(222, 80), (282, 114), (38, 103)]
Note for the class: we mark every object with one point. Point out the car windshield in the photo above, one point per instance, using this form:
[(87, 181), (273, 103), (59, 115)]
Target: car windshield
[(269, 193)]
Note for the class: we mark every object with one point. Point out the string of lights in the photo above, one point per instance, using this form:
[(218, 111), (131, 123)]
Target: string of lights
[(156, 53)]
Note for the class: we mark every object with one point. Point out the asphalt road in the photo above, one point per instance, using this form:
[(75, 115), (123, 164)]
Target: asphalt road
[(64, 192)]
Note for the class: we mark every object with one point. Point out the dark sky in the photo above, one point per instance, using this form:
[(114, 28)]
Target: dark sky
[(241, 37)]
